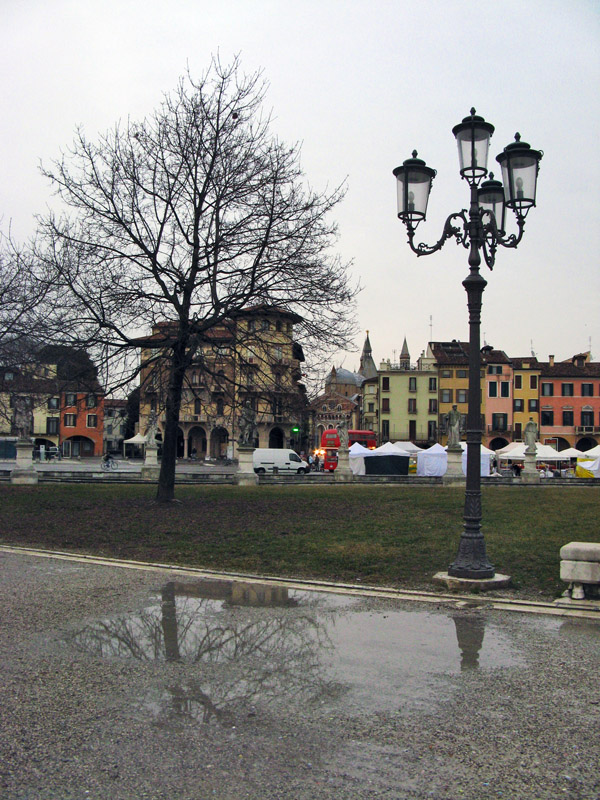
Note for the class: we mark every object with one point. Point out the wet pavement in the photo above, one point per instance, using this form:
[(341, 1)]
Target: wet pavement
[(124, 465), (121, 683)]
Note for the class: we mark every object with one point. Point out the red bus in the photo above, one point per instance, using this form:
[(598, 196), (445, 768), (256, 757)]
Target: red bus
[(330, 442)]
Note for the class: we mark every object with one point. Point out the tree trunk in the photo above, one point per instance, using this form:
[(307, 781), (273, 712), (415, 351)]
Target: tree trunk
[(166, 479)]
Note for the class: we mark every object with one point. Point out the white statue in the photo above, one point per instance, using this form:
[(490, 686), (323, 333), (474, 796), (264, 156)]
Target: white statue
[(454, 428), (342, 430), (530, 435)]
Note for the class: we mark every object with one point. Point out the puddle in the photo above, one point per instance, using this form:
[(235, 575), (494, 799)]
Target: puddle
[(243, 647)]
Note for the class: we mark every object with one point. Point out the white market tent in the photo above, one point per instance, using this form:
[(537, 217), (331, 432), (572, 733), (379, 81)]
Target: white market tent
[(358, 450), (509, 448), (389, 449), (137, 441), (543, 453), (432, 462), (593, 453), (572, 452), (408, 447), (485, 459), (357, 454)]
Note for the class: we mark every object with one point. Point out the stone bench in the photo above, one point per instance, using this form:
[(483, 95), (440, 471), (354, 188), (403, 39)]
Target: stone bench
[(580, 568)]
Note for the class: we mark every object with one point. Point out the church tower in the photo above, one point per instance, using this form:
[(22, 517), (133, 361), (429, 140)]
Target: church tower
[(405, 356), (367, 366)]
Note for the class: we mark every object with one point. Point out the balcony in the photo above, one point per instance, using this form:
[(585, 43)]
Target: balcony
[(587, 429), (193, 418), (499, 428)]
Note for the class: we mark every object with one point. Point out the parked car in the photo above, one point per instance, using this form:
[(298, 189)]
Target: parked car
[(267, 459)]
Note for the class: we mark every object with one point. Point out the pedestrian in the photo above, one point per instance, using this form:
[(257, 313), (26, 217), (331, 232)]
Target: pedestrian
[(316, 460)]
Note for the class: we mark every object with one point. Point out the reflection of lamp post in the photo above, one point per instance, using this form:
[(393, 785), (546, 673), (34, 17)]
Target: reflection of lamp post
[(480, 229), (470, 631)]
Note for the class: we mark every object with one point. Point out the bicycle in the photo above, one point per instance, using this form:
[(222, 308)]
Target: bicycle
[(110, 464)]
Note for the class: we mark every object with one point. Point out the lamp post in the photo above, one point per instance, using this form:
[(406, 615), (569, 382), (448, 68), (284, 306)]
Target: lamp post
[(480, 230)]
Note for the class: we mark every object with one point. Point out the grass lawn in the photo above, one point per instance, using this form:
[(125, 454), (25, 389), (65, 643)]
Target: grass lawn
[(392, 535)]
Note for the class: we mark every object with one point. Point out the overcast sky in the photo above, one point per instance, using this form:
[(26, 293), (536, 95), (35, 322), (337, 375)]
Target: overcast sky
[(360, 84)]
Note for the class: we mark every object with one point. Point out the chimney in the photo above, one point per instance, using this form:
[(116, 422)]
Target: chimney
[(551, 360)]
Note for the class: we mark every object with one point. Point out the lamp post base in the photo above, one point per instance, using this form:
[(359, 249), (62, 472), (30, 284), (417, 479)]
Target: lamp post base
[(455, 584)]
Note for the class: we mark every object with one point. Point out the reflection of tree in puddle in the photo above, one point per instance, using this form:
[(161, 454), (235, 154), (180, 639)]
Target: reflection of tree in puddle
[(245, 657), (469, 633)]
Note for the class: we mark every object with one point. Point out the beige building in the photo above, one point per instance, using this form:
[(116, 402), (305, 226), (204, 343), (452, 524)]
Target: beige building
[(408, 399), (251, 360)]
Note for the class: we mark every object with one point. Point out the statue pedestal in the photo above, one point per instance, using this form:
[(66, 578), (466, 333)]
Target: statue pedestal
[(530, 473), (343, 472), (454, 469), (245, 473), (150, 468), (151, 456), (24, 473)]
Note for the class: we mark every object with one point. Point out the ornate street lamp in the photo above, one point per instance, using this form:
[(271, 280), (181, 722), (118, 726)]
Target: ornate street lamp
[(481, 229)]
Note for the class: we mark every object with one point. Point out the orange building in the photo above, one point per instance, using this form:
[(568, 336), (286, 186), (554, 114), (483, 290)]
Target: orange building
[(570, 402), (81, 424)]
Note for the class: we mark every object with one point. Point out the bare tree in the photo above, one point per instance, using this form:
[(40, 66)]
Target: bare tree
[(25, 328), (190, 216)]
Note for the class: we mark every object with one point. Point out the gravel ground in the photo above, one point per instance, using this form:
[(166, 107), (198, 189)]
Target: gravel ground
[(120, 684)]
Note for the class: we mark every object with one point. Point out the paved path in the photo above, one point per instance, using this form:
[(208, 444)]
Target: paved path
[(122, 684), (135, 465)]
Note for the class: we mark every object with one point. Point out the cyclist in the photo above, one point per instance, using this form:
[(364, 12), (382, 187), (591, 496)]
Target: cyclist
[(108, 461)]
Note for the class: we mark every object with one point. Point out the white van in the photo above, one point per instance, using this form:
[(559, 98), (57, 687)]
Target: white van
[(267, 459)]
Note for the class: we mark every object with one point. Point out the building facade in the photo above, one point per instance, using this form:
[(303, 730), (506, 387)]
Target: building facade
[(497, 403), (569, 401), (251, 360), (526, 406), (64, 398), (408, 400), (115, 421)]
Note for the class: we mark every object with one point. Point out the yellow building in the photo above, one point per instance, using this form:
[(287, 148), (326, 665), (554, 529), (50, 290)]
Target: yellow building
[(452, 360), (526, 381), (250, 360)]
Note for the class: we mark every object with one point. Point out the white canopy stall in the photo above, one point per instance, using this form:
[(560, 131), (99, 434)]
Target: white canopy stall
[(543, 453), (593, 453), (389, 460), (408, 447), (485, 459), (136, 441), (432, 462)]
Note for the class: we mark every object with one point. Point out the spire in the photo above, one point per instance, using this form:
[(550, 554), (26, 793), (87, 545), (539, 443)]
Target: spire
[(405, 356), (367, 366)]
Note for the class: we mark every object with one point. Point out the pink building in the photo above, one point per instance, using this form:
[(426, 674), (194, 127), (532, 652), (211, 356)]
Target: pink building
[(498, 402)]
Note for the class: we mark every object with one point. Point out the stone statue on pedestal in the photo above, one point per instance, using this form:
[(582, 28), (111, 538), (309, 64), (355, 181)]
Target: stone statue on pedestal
[(530, 435), (247, 423), (152, 429), (454, 429)]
